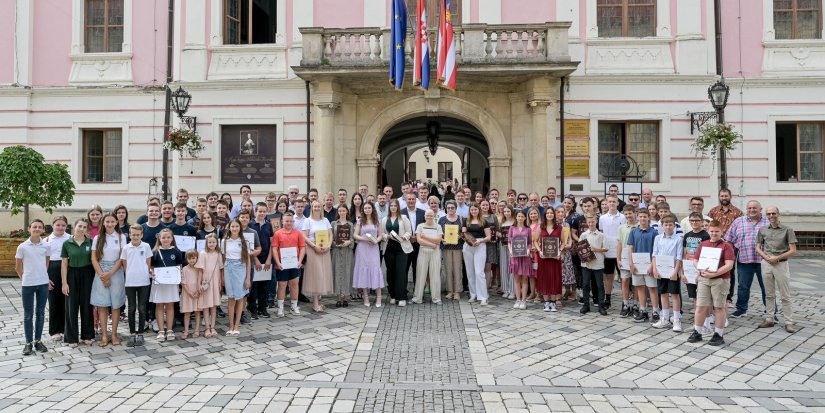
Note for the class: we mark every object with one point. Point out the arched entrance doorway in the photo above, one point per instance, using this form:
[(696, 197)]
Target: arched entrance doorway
[(462, 154)]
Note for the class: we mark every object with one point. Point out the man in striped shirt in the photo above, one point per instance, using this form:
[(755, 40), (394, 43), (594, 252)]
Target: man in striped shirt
[(743, 234)]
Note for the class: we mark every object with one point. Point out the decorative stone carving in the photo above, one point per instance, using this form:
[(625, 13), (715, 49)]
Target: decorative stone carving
[(794, 57), (630, 56), (101, 68), (248, 62)]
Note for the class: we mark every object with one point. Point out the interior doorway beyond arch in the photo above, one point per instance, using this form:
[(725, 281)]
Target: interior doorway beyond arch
[(402, 147)]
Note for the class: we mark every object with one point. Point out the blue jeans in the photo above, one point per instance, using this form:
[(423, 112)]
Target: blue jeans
[(33, 293), (746, 272)]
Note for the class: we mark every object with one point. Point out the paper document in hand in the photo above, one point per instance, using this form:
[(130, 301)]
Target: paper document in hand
[(200, 245), (612, 245), (184, 243), (250, 241), (709, 259), (261, 275), (322, 238), (625, 258), (167, 275), (691, 273), (642, 262), (665, 265), (289, 258)]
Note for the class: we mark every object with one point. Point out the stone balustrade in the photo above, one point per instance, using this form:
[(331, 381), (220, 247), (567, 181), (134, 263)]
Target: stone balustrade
[(475, 44)]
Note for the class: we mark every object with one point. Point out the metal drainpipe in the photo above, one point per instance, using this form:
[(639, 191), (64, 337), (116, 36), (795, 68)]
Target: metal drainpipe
[(167, 117), (308, 135), (562, 192)]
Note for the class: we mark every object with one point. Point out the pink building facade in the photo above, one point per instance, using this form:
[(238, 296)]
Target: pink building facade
[(97, 101)]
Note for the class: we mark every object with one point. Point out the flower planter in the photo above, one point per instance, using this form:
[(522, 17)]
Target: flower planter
[(8, 247)]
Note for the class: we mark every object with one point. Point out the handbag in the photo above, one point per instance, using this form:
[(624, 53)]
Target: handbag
[(205, 283)]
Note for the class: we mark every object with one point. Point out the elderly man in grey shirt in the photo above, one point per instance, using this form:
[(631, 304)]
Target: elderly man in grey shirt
[(776, 243)]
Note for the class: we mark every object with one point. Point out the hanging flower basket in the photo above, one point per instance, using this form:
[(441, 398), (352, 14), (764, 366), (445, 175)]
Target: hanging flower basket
[(714, 138), (185, 141)]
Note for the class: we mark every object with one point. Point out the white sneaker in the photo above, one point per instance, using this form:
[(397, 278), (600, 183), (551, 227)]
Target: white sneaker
[(472, 299), (727, 320), (392, 301), (706, 330), (546, 306), (553, 308), (516, 305), (401, 303), (677, 326), (511, 296), (280, 313), (295, 311), (523, 305), (662, 323), (155, 327), (483, 302)]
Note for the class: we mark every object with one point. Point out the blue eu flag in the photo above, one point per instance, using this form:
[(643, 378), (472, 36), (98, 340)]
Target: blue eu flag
[(397, 35)]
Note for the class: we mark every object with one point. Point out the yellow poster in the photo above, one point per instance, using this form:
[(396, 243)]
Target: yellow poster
[(577, 128), (576, 147), (322, 239), (577, 167), (451, 234)]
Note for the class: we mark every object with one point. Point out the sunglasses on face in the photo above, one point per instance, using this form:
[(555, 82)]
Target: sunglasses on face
[(633, 199), (522, 199)]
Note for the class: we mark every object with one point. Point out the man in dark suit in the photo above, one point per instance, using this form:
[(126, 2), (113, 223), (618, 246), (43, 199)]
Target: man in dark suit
[(416, 216)]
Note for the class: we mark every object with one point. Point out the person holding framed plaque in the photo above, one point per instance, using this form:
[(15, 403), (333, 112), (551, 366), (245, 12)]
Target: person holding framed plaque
[(506, 221), (342, 256), (166, 271), (568, 271), (595, 267), (476, 233), (491, 264), (534, 219), (520, 265), (451, 248), (318, 273), (548, 274)]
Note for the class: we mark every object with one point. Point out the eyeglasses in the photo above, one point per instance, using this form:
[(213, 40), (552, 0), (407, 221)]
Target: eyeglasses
[(695, 220), (521, 198), (697, 204), (293, 193)]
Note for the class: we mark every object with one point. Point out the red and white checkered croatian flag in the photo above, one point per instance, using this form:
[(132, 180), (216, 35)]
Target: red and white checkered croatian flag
[(446, 48), (421, 67)]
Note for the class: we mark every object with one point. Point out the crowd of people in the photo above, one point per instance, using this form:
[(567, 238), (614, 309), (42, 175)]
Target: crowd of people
[(175, 262)]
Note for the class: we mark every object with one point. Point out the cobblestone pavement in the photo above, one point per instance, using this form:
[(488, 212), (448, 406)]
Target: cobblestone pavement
[(428, 358)]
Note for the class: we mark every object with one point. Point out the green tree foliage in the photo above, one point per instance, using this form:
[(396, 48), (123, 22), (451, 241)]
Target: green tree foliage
[(26, 179)]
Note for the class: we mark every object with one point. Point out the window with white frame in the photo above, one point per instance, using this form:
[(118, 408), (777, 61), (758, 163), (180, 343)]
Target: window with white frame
[(103, 26), (799, 152), (445, 171), (638, 140), (250, 21), (797, 19), (626, 18), (102, 155)]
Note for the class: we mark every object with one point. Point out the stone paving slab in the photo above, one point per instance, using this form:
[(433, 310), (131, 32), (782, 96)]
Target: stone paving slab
[(453, 357)]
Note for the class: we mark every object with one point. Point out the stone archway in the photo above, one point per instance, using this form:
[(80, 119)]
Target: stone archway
[(367, 146)]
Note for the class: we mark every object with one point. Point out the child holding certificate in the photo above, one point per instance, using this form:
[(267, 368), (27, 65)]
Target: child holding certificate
[(287, 250), (713, 283), (166, 255), (666, 263), (639, 246), (594, 269)]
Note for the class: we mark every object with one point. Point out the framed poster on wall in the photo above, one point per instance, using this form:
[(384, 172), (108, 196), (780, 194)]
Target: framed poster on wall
[(248, 154)]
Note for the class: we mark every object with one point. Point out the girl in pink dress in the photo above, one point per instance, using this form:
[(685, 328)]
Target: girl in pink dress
[(210, 261), (190, 282), (520, 267)]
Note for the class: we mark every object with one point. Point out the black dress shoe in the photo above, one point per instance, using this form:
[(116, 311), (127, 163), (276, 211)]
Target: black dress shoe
[(585, 310), (220, 312), (338, 304), (602, 310), (254, 316), (264, 314), (302, 298), (27, 349), (39, 346), (245, 319), (345, 303)]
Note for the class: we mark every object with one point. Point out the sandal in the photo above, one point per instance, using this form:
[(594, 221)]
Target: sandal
[(185, 335), (115, 341), (319, 309), (104, 342), (161, 335), (236, 333), (170, 335), (72, 345), (196, 334), (229, 333)]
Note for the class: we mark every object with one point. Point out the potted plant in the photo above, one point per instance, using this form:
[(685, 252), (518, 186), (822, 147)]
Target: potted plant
[(715, 138), (185, 141), (8, 246)]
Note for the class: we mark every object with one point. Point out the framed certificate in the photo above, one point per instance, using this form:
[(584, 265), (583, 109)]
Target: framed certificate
[(451, 234), (520, 246), (709, 259), (185, 243), (469, 238), (550, 247), (585, 251), (167, 275), (322, 238), (505, 232), (276, 224), (343, 233), (289, 258), (261, 275)]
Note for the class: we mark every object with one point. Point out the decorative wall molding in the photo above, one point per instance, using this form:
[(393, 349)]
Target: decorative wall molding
[(248, 62), (101, 68), (650, 56), (794, 58)]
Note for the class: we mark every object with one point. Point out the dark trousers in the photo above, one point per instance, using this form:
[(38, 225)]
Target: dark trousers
[(137, 298), (412, 261), (397, 264), (34, 307), (80, 292), (256, 300), (746, 272), (57, 301), (596, 277)]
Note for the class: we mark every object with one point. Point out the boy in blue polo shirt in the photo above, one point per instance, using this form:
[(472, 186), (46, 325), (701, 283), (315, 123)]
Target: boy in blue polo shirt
[(668, 247), (641, 240)]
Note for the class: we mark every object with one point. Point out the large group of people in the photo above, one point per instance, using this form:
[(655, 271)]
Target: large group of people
[(175, 262)]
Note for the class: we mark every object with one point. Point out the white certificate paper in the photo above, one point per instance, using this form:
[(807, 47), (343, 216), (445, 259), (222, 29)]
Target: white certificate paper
[(167, 275), (200, 245), (262, 275), (625, 258), (289, 258), (665, 265), (642, 262), (709, 259), (691, 273), (185, 243), (612, 245), (250, 241)]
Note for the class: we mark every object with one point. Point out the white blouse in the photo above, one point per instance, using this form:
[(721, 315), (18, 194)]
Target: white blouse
[(233, 248), (111, 251), (56, 245)]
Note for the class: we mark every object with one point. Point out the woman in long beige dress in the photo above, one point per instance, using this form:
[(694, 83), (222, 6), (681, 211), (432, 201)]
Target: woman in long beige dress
[(318, 269)]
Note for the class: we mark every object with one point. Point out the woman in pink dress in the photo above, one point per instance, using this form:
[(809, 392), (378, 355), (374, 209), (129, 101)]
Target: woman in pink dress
[(520, 266)]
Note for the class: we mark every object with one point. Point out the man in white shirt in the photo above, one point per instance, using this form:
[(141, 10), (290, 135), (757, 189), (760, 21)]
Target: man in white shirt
[(405, 189), (382, 208), (551, 193), (697, 204), (609, 224), (423, 193), (462, 209), (647, 197), (31, 265)]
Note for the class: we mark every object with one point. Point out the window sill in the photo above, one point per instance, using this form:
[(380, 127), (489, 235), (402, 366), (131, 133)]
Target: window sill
[(101, 68), (252, 61), (649, 40)]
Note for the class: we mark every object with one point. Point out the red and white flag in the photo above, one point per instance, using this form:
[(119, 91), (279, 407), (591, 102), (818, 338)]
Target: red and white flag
[(446, 48), (421, 67)]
